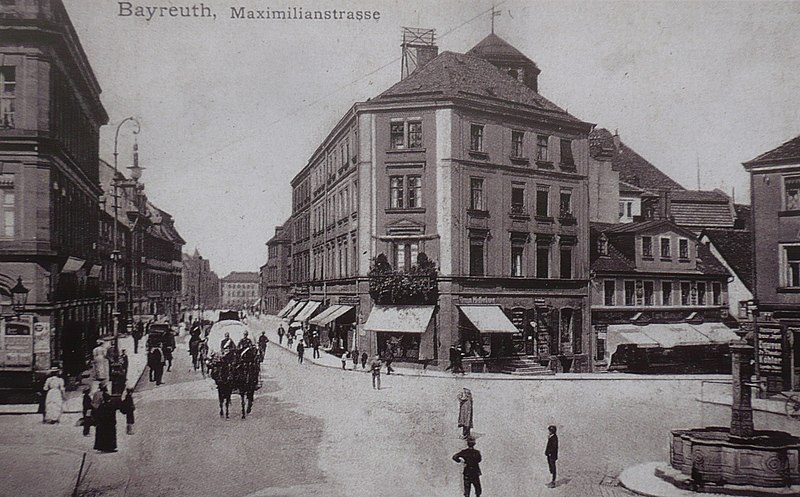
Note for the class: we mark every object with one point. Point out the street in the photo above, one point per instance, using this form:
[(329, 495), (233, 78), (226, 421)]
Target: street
[(323, 431)]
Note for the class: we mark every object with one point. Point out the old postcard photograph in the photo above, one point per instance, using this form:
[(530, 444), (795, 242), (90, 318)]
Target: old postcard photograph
[(377, 248)]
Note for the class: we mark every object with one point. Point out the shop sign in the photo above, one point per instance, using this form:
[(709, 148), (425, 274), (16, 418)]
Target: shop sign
[(349, 300), (41, 337), (770, 350), (477, 300)]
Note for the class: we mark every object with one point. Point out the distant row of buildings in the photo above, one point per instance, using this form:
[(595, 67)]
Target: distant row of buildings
[(553, 242)]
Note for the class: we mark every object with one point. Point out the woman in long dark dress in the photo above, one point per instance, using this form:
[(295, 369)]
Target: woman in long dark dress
[(105, 439)]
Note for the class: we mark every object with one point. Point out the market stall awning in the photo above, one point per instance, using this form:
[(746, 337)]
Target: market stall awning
[(340, 311), (621, 334), (488, 318), (309, 309), (400, 318), (295, 310), (287, 308), (72, 265), (716, 332), (322, 315), (675, 335)]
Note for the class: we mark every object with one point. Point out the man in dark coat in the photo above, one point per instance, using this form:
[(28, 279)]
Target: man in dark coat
[(551, 452), (105, 416), (300, 351), (138, 333), (280, 334), (245, 342), (227, 343), (156, 362), (472, 470), (388, 357), (262, 344)]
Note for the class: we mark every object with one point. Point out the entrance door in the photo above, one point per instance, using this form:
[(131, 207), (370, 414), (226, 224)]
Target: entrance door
[(519, 339)]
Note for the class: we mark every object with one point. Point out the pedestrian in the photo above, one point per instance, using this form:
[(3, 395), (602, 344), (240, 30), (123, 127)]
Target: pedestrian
[(375, 367), (105, 416), (465, 412), (156, 362), (344, 359), (54, 400), (280, 334), (124, 361), (86, 419), (315, 344), (138, 333), (100, 362), (551, 452), (262, 344), (127, 409), (471, 457), (364, 357), (290, 336), (169, 346), (389, 358), (300, 351), (194, 348), (452, 356), (354, 357)]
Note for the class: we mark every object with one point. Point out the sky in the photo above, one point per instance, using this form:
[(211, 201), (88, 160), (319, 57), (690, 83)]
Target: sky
[(232, 109)]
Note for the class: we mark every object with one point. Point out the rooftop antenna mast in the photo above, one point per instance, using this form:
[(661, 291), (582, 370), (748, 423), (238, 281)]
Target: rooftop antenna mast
[(495, 13), (698, 172), (416, 41)]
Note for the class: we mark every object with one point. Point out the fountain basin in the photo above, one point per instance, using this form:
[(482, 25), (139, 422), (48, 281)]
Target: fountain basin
[(712, 455)]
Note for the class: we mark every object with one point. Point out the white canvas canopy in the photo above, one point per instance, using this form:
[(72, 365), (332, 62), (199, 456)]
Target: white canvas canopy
[(235, 328)]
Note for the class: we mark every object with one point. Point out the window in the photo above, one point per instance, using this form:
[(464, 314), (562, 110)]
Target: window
[(791, 189), (414, 191), (404, 135), (683, 248), (630, 293), (665, 248), (566, 263), (476, 256), (566, 154), (476, 137), (517, 199), (647, 246), (516, 143), (716, 293), (396, 191), (517, 252), (476, 194), (541, 148), (791, 273), (543, 260), (648, 293), (8, 93), (542, 200), (602, 244), (405, 255), (609, 292), (565, 202), (8, 212), (701, 293), (686, 292)]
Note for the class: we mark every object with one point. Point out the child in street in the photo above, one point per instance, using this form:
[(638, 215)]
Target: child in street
[(344, 360), (551, 452), (127, 409), (87, 411)]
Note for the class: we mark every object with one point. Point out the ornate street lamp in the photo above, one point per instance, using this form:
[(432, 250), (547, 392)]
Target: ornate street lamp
[(19, 296)]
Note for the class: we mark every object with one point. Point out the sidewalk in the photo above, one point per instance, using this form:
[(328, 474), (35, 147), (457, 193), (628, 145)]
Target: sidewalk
[(269, 324), (74, 402)]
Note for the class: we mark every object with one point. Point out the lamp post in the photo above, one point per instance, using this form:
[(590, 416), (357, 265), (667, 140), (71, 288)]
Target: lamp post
[(19, 296)]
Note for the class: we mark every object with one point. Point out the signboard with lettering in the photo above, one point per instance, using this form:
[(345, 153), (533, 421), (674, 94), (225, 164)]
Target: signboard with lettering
[(770, 351), (16, 346), (349, 300)]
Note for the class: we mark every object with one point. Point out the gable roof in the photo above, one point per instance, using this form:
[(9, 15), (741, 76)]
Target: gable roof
[(632, 167), (453, 75), (736, 248), (647, 226), (785, 152)]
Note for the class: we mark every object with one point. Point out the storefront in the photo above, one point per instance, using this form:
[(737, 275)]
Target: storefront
[(408, 330), (485, 331), (283, 312), (335, 326)]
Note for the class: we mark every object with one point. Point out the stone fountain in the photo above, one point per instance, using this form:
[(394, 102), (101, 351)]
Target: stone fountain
[(720, 458)]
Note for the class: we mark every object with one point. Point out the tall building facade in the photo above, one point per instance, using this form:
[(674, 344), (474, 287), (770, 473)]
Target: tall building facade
[(50, 118), (276, 273), (199, 282), (239, 290), (465, 162), (775, 223)]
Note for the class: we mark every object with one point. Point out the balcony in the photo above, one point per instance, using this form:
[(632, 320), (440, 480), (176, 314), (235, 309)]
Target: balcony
[(519, 212)]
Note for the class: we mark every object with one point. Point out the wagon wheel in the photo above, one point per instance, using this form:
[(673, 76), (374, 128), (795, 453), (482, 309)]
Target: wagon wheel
[(793, 406)]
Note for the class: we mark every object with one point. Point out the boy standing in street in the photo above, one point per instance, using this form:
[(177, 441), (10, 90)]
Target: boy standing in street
[(551, 452), (375, 367), (471, 457)]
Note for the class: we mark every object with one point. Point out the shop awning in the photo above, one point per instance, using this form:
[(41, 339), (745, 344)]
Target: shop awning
[(297, 307), (309, 309), (340, 311), (322, 315), (675, 335), (716, 332), (95, 271), (620, 334), (488, 318), (256, 302), (400, 318), (72, 265), (287, 308)]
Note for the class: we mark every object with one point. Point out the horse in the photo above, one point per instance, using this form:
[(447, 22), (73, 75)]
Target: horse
[(202, 356), (221, 369), (246, 377)]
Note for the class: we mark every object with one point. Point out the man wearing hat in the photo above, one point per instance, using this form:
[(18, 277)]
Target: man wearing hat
[(227, 343), (471, 457), (245, 342)]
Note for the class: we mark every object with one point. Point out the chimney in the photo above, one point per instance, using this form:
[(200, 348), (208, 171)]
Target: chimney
[(425, 55), (616, 139), (665, 204)]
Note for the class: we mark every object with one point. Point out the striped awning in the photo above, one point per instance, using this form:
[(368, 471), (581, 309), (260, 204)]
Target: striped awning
[(287, 308), (400, 318), (488, 318), (340, 311), (307, 311)]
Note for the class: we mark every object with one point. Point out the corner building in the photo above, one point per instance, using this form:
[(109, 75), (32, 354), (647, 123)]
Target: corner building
[(464, 161)]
